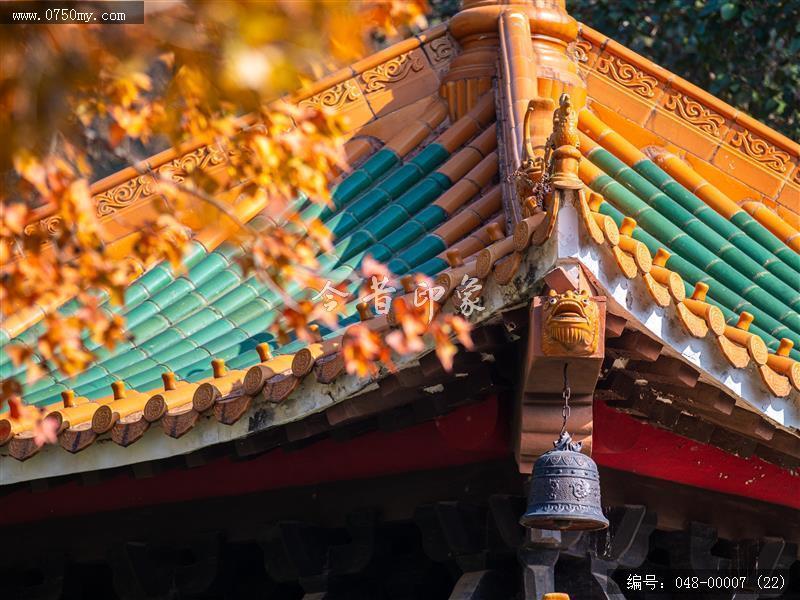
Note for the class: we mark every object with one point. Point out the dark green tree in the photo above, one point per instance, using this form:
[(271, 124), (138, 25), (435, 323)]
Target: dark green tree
[(746, 52)]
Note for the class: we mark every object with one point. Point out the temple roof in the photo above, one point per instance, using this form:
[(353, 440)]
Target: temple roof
[(687, 198)]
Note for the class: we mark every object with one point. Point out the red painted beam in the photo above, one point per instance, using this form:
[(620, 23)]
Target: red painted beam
[(621, 442), (469, 434)]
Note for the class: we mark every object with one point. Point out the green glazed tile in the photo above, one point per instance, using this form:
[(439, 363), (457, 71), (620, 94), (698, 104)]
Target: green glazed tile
[(135, 294), (388, 219), (129, 357), (218, 285), (342, 223), (207, 268), (315, 210), (348, 189), (233, 337), (40, 384), (162, 340), (688, 271), (148, 380), (135, 369), (424, 249), (380, 253), (170, 354), (369, 204), (401, 180), (88, 376), (257, 325), (431, 216), (403, 236), (431, 157), (433, 266), (398, 266), (172, 292), (422, 194), (103, 353), (47, 396), (249, 311), (327, 262), (229, 251), (183, 307), (767, 239), (99, 388), (194, 323), (196, 372), (235, 298), (380, 162), (149, 328), (358, 242), (191, 357), (193, 254), (155, 278), (219, 328)]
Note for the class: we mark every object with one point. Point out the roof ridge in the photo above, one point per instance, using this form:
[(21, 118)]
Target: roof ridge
[(605, 43)]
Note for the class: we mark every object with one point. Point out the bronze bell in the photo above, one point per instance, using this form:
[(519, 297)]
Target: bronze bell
[(565, 491)]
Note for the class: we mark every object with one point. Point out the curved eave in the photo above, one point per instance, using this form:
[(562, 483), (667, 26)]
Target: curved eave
[(310, 396), (630, 298)]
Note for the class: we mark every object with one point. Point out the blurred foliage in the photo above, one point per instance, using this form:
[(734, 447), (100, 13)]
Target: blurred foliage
[(77, 100), (746, 52)]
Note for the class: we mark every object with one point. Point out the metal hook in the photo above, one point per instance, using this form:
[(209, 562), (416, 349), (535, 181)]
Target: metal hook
[(565, 395)]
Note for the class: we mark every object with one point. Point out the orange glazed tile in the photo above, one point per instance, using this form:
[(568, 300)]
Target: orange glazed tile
[(769, 202), (586, 54), (391, 124), (791, 217), (128, 219), (727, 184), (626, 103), (345, 99), (398, 82), (768, 156), (439, 52), (790, 197), (634, 133), (733, 163), (682, 134)]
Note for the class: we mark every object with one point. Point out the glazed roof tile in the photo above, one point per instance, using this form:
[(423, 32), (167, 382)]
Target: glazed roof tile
[(395, 207), (716, 244)]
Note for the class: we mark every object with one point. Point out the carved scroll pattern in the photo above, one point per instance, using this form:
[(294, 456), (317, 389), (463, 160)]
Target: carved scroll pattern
[(334, 97), (580, 50), (51, 225), (695, 113), (627, 75), (392, 71), (761, 151), (142, 186), (439, 50)]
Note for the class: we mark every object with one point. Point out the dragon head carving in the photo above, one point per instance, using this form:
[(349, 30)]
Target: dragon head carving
[(570, 324)]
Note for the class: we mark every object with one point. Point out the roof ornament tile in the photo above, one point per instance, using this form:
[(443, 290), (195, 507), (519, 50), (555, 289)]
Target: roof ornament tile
[(563, 154), (541, 179)]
